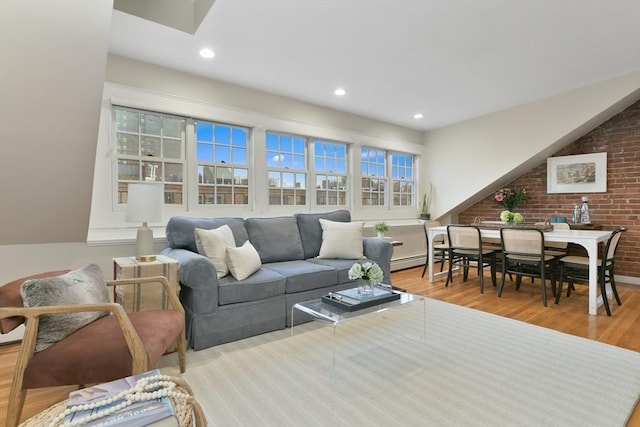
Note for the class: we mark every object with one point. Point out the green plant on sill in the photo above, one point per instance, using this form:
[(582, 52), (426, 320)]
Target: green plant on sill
[(426, 203), (381, 227)]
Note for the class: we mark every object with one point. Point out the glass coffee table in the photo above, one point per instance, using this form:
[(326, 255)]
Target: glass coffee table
[(336, 316)]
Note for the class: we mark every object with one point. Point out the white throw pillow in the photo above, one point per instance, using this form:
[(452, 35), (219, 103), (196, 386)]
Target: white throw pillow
[(243, 261), (213, 244), (341, 239)]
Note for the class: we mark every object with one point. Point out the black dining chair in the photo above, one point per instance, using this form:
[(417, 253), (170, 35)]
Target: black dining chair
[(576, 269), (524, 255), (465, 246)]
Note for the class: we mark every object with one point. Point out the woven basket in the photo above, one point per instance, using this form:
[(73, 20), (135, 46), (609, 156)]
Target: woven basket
[(188, 413)]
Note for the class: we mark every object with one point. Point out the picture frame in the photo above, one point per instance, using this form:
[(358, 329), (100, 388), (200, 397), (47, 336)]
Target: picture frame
[(582, 173)]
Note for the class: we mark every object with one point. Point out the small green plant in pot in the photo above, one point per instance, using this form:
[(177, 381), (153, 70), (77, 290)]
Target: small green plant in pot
[(380, 228)]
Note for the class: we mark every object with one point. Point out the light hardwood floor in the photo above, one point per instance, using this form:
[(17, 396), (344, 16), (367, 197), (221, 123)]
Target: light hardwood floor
[(570, 316)]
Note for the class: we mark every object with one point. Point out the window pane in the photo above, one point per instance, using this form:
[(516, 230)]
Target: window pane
[(341, 166), (240, 177), (223, 175), (223, 134), (150, 146), (274, 179), (127, 144), (298, 162), (205, 152), (152, 171), (172, 127), (204, 132), (273, 159), (173, 194), (298, 145), (127, 121), (206, 174), (150, 123), (128, 170), (239, 137), (272, 142), (241, 196), (173, 172), (223, 154), (286, 161), (172, 148), (286, 144), (288, 180), (239, 156)]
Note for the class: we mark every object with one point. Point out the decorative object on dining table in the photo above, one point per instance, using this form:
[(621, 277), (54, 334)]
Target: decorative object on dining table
[(380, 228), (368, 274), (511, 217), (585, 216), (510, 198)]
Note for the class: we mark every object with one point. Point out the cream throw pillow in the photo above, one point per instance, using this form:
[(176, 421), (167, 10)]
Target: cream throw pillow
[(243, 261), (341, 239), (213, 244)]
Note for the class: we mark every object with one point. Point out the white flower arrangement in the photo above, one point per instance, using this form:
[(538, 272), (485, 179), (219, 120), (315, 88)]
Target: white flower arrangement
[(368, 271)]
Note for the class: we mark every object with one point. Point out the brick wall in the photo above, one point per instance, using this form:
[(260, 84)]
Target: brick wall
[(619, 206)]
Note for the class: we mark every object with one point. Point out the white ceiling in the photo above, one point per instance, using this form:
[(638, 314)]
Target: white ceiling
[(450, 60)]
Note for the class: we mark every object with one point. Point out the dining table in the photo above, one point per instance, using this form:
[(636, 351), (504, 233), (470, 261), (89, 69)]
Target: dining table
[(588, 239)]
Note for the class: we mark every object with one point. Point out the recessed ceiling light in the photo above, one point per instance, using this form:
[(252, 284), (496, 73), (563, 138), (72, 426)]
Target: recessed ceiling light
[(340, 91), (207, 53), (418, 116)]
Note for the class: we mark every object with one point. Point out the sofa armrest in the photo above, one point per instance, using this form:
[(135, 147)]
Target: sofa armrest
[(380, 252), (198, 276)]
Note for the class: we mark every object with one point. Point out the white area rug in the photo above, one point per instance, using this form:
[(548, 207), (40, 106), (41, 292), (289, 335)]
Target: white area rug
[(467, 368)]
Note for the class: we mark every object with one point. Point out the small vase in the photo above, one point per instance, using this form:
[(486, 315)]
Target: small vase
[(380, 235), (365, 287)]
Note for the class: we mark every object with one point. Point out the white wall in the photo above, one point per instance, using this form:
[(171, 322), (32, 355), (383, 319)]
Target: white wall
[(469, 160)]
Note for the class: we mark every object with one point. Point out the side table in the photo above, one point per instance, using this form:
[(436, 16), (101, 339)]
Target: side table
[(151, 298)]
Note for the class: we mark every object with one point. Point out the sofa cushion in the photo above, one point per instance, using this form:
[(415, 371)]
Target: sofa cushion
[(213, 244), (275, 239), (82, 286), (311, 231), (261, 285), (303, 276), (10, 297), (341, 239), (243, 261), (181, 235), (74, 359), (342, 266)]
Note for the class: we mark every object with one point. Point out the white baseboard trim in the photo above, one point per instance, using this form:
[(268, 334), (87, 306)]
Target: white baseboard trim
[(402, 263)]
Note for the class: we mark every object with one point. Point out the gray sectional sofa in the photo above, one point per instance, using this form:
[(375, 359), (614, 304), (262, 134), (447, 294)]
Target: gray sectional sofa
[(226, 309)]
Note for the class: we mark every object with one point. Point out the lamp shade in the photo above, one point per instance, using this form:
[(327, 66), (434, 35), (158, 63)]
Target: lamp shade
[(145, 202)]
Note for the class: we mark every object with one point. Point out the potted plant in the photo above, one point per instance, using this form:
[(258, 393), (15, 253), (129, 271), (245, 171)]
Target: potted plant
[(426, 203), (380, 228)]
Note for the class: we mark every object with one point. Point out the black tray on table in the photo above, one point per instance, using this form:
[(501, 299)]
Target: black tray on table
[(350, 300)]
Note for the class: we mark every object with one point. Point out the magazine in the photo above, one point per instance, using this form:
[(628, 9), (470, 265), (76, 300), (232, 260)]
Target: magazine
[(354, 297), (137, 414)]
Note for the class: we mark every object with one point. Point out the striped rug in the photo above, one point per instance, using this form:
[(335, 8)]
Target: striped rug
[(432, 364)]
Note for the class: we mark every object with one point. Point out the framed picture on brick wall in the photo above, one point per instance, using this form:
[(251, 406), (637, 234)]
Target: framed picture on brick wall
[(583, 173)]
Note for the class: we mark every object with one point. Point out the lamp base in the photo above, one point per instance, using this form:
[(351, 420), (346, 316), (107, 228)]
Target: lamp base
[(144, 241)]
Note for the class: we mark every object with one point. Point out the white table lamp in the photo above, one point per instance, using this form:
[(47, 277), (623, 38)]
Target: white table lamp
[(144, 204)]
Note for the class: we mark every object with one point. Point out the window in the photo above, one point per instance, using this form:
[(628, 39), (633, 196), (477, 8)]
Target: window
[(287, 169), (330, 160), (374, 179), (150, 147), (402, 179), (223, 174)]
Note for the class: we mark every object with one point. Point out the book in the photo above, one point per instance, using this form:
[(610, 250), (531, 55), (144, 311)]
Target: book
[(353, 294), (137, 414)]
